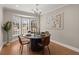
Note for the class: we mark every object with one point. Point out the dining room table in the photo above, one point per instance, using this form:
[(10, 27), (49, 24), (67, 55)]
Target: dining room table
[(35, 40)]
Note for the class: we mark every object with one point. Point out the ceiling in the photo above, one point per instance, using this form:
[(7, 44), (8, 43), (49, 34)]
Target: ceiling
[(28, 7)]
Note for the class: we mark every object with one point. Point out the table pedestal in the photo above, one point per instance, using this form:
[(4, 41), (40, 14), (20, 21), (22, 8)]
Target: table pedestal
[(34, 44)]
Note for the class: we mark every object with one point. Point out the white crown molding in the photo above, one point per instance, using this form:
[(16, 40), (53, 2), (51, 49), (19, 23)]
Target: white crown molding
[(65, 45)]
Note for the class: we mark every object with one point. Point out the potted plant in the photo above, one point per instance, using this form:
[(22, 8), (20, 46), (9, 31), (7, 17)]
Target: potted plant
[(7, 27)]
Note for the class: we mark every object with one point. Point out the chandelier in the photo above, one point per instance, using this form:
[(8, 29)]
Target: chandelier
[(37, 14), (36, 10)]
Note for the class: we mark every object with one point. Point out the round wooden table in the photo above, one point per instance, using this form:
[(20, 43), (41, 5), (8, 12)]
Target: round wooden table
[(34, 43)]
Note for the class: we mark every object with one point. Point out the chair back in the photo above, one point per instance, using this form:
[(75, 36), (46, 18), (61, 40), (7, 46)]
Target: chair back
[(46, 40), (20, 40)]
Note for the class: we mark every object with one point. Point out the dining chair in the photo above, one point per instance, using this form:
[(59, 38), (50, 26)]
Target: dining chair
[(22, 43), (45, 42)]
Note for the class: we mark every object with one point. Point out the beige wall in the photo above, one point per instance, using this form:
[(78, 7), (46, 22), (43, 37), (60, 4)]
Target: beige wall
[(1, 33), (7, 17), (70, 34)]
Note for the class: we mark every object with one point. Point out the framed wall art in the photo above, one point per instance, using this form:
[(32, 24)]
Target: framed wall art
[(58, 21)]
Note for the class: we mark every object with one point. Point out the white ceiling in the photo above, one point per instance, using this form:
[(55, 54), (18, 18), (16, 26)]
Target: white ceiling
[(28, 7)]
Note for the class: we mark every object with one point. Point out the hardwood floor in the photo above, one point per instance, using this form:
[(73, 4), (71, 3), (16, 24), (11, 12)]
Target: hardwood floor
[(55, 49)]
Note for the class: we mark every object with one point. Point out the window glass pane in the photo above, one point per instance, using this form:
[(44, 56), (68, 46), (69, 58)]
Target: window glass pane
[(21, 25), (24, 25), (16, 26)]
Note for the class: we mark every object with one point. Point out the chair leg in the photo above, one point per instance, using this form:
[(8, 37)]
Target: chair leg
[(43, 51), (28, 48), (21, 49), (48, 49)]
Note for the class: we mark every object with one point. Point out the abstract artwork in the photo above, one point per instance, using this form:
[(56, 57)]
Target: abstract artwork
[(58, 21)]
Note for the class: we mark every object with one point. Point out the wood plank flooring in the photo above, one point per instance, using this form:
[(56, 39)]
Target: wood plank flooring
[(55, 49)]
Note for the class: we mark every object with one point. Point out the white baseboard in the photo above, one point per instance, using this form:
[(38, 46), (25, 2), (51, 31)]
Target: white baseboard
[(65, 45), (9, 41), (5, 43), (13, 40)]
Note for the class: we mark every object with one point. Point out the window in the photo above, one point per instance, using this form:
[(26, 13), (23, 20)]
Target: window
[(16, 26), (21, 25)]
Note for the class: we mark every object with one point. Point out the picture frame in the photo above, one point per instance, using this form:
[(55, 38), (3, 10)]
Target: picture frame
[(58, 21)]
